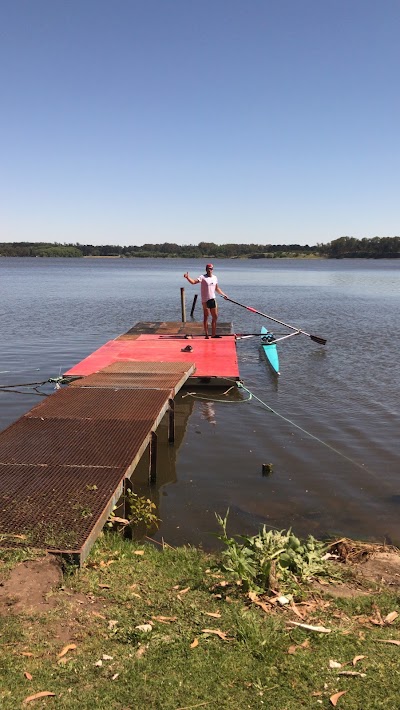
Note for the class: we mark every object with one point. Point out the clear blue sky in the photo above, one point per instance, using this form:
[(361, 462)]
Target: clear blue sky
[(133, 121)]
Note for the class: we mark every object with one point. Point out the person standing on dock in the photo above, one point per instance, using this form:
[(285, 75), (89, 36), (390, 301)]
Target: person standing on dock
[(209, 285)]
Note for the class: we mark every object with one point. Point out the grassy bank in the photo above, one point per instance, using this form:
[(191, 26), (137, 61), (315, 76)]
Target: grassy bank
[(145, 627)]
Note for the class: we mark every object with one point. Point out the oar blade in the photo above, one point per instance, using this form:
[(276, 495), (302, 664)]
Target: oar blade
[(316, 339)]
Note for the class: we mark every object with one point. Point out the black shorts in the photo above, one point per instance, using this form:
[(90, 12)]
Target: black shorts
[(211, 303)]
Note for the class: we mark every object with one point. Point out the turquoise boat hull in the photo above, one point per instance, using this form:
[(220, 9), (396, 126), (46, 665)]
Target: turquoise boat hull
[(270, 349)]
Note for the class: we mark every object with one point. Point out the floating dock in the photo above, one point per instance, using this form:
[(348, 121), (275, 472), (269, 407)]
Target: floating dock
[(215, 359), (65, 464)]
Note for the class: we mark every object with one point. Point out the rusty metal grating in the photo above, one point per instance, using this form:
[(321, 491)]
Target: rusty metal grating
[(93, 404), (173, 328), (54, 507), (131, 380), (136, 366), (139, 375), (62, 464), (74, 442), (145, 327)]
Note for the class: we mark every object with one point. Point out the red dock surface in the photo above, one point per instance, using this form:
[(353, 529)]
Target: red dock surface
[(214, 359)]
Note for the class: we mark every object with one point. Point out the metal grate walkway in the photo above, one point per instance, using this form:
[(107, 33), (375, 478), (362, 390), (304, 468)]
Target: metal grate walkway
[(63, 464)]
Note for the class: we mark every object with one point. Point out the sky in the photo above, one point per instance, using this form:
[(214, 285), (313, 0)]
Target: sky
[(226, 121)]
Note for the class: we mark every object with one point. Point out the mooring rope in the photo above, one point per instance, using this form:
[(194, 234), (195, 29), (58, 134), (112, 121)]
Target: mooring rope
[(194, 395), (57, 381), (324, 443)]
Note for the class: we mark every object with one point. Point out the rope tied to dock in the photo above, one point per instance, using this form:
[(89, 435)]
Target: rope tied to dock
[(312, 436), (34, 386), (194, 395)]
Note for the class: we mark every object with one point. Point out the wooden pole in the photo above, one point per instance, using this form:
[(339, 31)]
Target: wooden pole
[(183, 305), (153, 458), (193, 306), (171, 421)]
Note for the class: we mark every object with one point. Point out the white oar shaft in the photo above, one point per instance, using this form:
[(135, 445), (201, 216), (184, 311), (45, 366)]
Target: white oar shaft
[(265, 315)]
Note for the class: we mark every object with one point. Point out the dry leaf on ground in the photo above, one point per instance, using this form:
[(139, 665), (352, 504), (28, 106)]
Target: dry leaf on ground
[(319, 629), (390, 617), (357, 658), (292, 649), (69, 647), (165, 619), (254, 598), (394, 641), (334, 664), (141, 651), (194, 643), (377, 621), (222, 634), (353, 673), (334, 698), (99, 616), (145, 628), (42, 694), (214, 614), (295, 610), (139, 552), (27, 675)]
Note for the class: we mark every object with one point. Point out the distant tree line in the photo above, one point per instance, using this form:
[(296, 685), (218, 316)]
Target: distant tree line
[(344, 247), (349, 247)]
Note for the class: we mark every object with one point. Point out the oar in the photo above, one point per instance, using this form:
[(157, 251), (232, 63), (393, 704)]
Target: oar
[(315, 338)]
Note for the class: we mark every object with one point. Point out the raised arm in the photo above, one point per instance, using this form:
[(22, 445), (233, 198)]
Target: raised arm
[(221, 293), (188, 278)]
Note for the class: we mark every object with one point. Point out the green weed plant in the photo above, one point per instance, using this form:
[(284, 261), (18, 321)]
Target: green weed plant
[(272, 560)]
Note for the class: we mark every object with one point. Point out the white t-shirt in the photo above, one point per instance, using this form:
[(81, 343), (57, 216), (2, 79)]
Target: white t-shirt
[(207, 285)]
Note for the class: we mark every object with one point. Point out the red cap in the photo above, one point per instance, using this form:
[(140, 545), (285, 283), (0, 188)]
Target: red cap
[(209, 266)]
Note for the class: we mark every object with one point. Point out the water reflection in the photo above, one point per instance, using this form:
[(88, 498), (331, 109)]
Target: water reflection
[(208, 412), (166, 456)]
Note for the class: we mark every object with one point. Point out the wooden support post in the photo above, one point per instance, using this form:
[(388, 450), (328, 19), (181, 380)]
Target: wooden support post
[(171, 421), (127, 531), (124, 501), (183, 305), (153, 458), (193, 305)]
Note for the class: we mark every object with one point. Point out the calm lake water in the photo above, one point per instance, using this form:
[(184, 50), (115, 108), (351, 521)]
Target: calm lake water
[(342, 480)]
